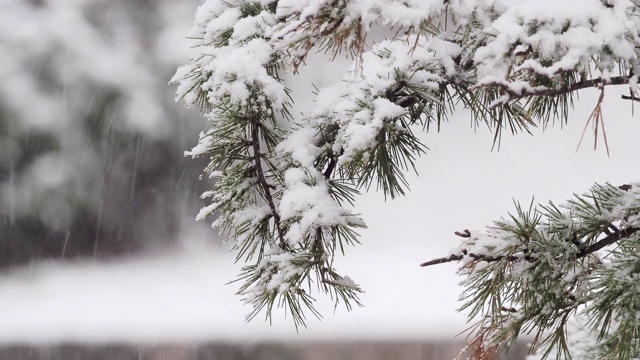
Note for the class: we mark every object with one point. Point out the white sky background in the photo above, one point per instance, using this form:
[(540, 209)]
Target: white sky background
[(462, 184)]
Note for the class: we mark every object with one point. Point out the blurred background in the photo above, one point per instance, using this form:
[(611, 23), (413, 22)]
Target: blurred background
[(100, 255), (91, 140)]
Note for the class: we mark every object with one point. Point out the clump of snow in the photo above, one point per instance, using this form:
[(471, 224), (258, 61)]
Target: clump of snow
[(563, 35), (204, 145), (346, 281), (235, 69), (306, 199), (407, 13), (360, 109)]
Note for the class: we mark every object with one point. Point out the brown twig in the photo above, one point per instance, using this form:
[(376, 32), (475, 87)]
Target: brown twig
[(478, 348)]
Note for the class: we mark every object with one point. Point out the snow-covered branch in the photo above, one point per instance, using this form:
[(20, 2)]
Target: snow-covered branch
[(286, 187), (548, 262)]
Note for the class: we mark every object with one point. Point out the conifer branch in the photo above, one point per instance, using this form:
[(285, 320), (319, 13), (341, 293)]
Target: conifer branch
[(608, 240), (545, 91), (600, 244), (262, 181), (442, 260), (476, 257), (530, 271)]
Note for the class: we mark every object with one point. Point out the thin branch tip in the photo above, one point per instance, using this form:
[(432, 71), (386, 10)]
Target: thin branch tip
[(464, 234), (442, 260)]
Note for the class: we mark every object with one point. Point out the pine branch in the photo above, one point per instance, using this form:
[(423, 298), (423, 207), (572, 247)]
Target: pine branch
[(608, 240), (526, 275), (442, 260), (476, 257), (544, 91), (600, 244), (262, 181)]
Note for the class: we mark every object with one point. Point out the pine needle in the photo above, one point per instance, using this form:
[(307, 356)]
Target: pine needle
[(597, 118)]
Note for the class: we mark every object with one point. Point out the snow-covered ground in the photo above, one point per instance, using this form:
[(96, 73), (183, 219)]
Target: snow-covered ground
[(182, 296)]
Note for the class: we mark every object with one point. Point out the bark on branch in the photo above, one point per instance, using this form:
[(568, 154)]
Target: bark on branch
[(608, 240)]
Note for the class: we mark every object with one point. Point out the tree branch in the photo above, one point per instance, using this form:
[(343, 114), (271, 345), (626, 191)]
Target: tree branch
[(442, 260), (608, 240), (544, 91), (262, 181), (602, 243), (476, 257)]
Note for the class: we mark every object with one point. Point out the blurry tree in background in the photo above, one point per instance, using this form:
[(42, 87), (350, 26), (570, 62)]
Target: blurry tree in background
[(286, 186), (91, 141)]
